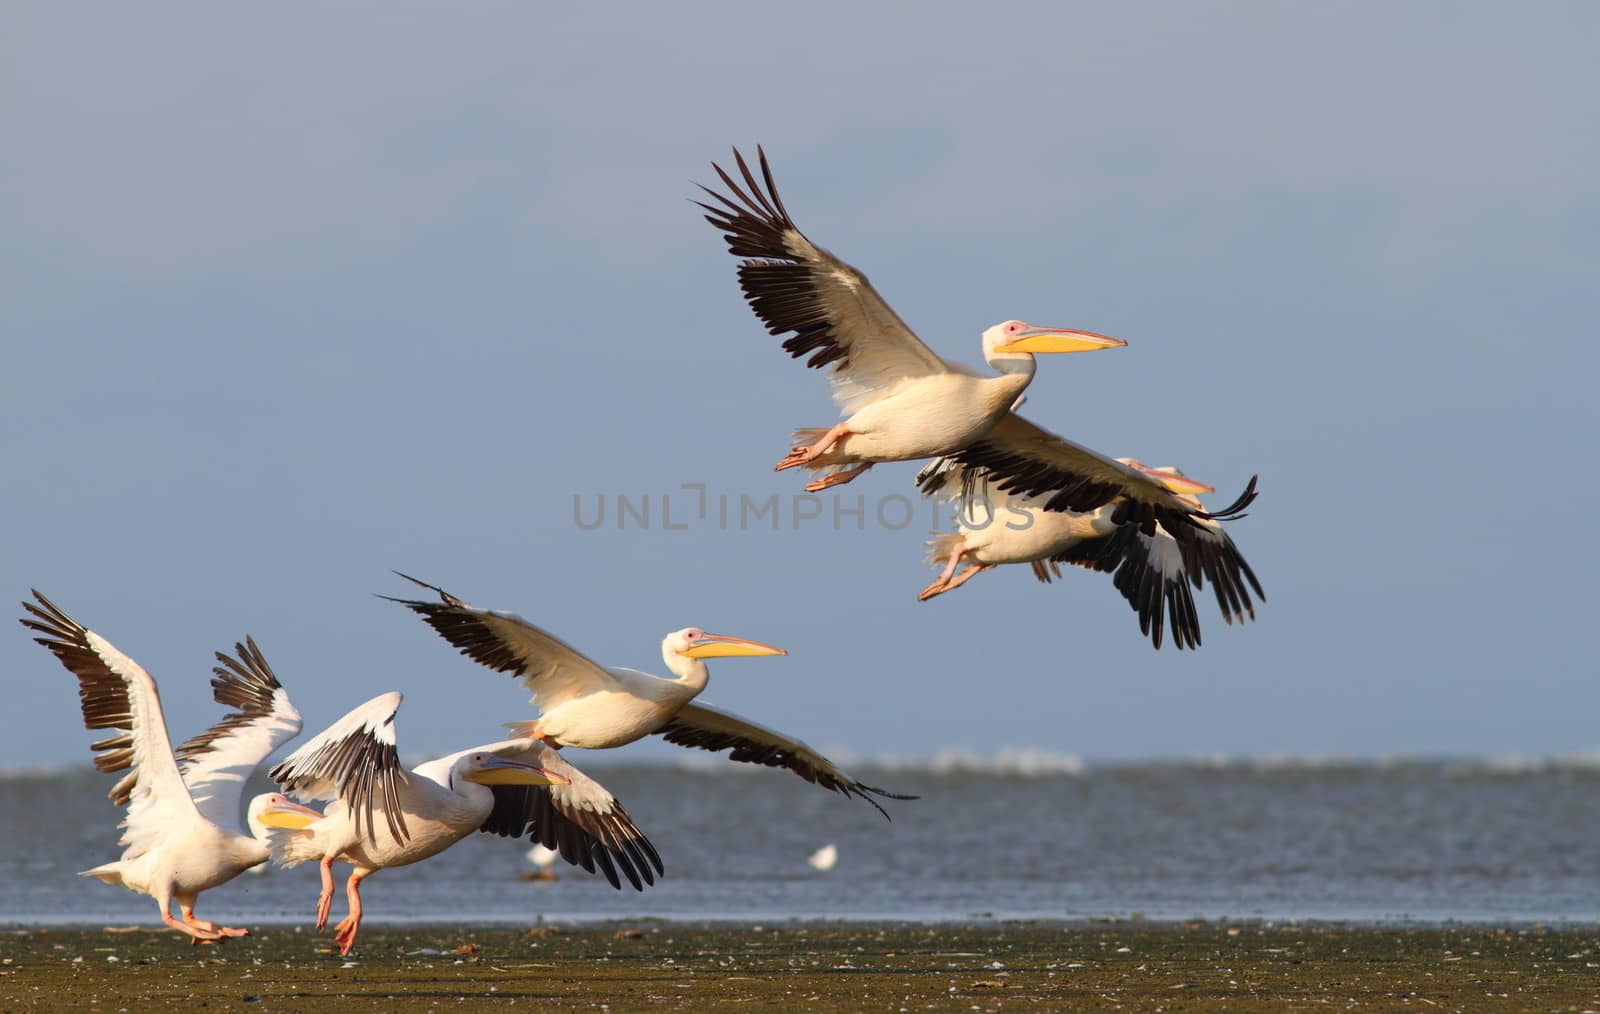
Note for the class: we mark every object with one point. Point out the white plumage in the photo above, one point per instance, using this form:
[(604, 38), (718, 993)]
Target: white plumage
[(586, 705), (178, 836), (379, 815), (902, 400)]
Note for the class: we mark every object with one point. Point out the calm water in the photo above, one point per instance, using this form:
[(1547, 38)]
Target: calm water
[(1030, 837)]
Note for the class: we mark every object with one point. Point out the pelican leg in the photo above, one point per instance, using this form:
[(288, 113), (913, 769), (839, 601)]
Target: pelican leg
[(803, 455), (967, 575), (206, 924), (345, 933), (325, 901), (196, 934), (836, 478), (942, 582)]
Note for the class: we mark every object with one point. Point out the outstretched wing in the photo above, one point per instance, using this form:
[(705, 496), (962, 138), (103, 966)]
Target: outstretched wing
[(216, 763), (708, 728), (1026, 460), (581, 820), (1150, 573), (117, 694), (553, 671), (826, 306), (354, 760)]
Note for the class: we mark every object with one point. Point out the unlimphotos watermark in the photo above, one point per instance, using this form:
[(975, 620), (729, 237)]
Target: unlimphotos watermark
[(695, 505)]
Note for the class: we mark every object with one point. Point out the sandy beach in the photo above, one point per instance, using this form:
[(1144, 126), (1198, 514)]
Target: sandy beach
[(1131, 965)]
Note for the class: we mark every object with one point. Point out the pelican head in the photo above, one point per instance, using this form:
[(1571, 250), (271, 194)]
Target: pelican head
[(1019, 338), (492, 769), (273, 809), (692, 642)]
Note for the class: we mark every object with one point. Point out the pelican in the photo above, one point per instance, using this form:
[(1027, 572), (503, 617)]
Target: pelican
[(1148, 566), (178, 840), (901, 401), (502, 788), (585, 705), (1025, 460)]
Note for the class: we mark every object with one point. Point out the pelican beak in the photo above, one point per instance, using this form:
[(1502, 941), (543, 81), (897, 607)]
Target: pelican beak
[(1174, 480), (504, 771), (1185, 486), (1057, 339), (289, 815), (714, 646)]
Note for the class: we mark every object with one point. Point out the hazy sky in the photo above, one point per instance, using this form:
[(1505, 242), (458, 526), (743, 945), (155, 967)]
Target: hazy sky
[(295, 296)]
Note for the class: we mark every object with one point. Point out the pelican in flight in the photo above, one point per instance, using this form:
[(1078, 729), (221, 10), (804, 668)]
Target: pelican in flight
[(586, 705), (1025, 460), (179, 838), (901, 401), (1148, 565), (505, 788)]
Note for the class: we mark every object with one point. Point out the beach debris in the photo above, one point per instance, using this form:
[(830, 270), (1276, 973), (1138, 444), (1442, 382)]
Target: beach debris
[(824, 859)]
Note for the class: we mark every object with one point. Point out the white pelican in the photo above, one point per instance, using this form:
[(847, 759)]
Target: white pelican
[(1025, 460), (501, 788), (1149, 567), (901, 400), (585, 705), (179, 837)]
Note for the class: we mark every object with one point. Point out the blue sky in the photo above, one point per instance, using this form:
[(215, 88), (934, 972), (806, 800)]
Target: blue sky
[(297, 297)]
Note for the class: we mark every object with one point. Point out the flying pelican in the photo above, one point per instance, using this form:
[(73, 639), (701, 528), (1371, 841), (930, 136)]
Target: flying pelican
[(902, 401), (1025, 460), (585, 705), (1148, 566), (501, 788), (181, 809)]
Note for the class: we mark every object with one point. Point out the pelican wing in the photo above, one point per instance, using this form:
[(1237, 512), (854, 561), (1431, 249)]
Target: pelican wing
[(117, 694), (830, 310), (216, 763), (1027, 460), (1149, 571), (708, 728), (581, 820), (975, 495), (553, 671), (354, 760), (1210, 555)]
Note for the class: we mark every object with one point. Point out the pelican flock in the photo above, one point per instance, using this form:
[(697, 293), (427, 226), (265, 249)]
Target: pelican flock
[(1019, 494)]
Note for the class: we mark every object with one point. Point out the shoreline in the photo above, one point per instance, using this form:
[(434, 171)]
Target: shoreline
[(634, 964)]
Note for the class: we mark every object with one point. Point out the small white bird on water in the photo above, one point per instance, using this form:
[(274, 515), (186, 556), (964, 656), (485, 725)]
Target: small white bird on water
[(543, 860), (824, 859)]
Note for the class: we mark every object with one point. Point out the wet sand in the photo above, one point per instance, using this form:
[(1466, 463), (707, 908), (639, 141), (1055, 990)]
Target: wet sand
[(1131, 965)]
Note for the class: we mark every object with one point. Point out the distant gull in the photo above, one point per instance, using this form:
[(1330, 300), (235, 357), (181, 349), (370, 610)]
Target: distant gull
[(824, 859), (542, 858)]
